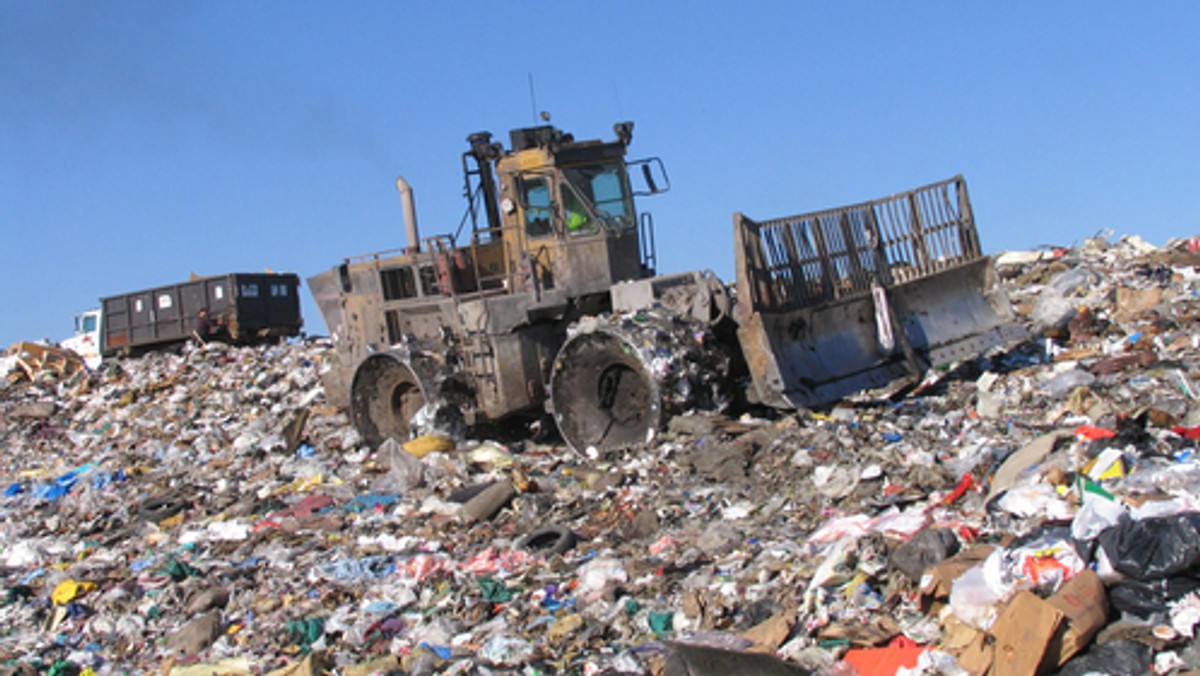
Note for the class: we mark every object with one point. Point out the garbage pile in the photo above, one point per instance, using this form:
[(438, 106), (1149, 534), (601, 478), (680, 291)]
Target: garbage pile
[(1030, 511)]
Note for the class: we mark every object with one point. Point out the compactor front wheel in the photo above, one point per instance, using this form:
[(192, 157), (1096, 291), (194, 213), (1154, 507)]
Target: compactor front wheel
[(602, 392), (384, 397), (617, 380)]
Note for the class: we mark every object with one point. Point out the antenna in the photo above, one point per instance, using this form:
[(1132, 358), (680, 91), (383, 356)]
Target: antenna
[(532, 100)]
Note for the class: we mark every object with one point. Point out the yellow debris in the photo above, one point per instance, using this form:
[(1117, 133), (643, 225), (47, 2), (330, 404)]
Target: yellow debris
[(68, 590), (429, 443)]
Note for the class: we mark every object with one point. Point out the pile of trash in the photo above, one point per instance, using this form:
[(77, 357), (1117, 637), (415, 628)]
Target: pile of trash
[(206, 511)]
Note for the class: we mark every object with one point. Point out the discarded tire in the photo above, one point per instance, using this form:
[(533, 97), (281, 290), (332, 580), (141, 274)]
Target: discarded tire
[(159, 509), (551, 540)]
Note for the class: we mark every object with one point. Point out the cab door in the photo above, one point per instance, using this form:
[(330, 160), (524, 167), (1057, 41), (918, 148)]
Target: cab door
[(531, 236)]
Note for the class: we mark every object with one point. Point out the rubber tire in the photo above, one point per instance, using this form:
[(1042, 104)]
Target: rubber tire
[(159, 509), (552, 539)]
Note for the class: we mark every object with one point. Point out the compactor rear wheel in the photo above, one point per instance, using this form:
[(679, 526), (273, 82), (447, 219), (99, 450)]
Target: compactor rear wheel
[(384, 397)]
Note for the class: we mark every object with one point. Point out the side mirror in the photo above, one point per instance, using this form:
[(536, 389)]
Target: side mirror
[(653, 177)]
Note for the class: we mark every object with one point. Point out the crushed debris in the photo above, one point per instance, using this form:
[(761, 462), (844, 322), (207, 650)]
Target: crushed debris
[(29, 361)]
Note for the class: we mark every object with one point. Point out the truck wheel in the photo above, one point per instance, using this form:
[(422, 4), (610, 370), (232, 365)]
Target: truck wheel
[(618, 380), (602, 393), (384, 397)]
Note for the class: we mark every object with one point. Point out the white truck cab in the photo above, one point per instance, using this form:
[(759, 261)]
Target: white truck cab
[(86, 341)]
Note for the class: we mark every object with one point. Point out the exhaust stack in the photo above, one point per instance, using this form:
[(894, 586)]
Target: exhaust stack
[(410, 215)]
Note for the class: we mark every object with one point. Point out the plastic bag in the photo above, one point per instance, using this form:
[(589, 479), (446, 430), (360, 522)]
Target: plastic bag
[(1153, 549), (975, 600), (1052, 311), (1066, 382), (1100, 511), (445, 420), (1145, 598), (925, 549), (405, 470), (1041, 560), (1071, 281), (598, 574), (1033, 498), (506, 651)]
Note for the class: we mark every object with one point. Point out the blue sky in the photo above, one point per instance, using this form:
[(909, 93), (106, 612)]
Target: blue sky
[(143, 141)]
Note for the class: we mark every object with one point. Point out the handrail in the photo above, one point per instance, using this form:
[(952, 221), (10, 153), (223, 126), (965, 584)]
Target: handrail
[(646, 235)]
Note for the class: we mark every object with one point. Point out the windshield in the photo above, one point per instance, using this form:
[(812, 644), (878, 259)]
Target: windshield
[(605, 187)]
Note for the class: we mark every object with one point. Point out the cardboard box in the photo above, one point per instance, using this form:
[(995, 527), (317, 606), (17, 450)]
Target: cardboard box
[(939, 578), (1084, 604), (1023, 633), (1032, 635), (977, 657)]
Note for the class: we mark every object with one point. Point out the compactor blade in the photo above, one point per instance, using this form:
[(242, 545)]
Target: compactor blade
[(837, 301)]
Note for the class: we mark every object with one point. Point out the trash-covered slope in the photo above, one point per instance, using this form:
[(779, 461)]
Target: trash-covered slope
[(206, 512)]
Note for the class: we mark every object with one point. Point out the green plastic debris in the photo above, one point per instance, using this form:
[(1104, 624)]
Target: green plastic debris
[(305, 632), (17, 593), (494, 591), (180, 571), (661, 623)]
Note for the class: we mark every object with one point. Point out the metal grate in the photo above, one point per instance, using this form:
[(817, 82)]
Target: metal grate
[(829, 255)]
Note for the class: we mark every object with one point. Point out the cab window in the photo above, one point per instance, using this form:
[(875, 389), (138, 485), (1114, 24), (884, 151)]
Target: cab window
[(536, 194), (575, 214), (610, 199), (397, 283), (604, 186), (429, 280)]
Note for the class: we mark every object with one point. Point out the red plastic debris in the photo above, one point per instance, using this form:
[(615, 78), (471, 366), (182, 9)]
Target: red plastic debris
[(966, 483), (1089, 433), (885, 661), (1190, 433), (264, 525)]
